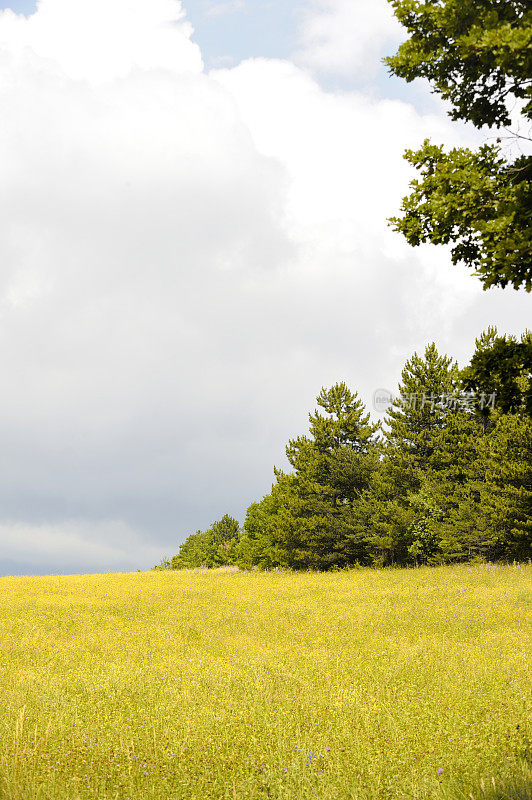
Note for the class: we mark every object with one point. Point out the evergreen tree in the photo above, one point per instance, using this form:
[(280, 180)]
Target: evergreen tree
[(310, 520), (428, 388), (333, 467), (500, 373), (506, 497), (450, 480), (429, 447), (215, 547), (223, 539), (194, 552), (256, 543)]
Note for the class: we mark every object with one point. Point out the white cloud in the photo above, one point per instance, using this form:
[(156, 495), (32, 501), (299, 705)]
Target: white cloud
[(347, 37), (186, 260), (104, 39), (342, 153)]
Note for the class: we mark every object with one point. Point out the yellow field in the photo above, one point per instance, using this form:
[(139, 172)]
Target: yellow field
[(367, 685)]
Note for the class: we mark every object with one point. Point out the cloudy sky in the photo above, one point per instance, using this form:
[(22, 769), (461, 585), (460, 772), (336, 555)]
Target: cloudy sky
[(193, 242)]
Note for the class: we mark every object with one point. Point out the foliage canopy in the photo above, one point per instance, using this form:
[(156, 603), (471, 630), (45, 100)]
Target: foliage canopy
[(446, 478), (477, 54)]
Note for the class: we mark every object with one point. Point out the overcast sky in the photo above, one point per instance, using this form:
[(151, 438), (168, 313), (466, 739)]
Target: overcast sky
[(193, 242)]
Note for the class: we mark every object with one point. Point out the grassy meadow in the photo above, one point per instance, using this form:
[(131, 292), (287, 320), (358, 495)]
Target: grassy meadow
[(361, 685)]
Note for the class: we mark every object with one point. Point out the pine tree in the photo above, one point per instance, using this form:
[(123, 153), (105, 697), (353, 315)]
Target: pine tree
[(452, 484), (450, 480), (194, 552), (418, 416), (256, 546), (333, 466), (406, 507), (500, 374), (215, 547), (506, 497), (310, 520)]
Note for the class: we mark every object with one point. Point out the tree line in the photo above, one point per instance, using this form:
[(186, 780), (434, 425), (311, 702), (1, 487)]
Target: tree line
[(446, 477)]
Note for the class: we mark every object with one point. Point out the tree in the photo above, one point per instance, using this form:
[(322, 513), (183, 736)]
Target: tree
[(417, 416), (192, 553), (449, 478), (506, 497), (501, 369), (223, 537), (333, 467), (423, 530), (477, 54), (450, 490), (426, 447), (256, 546), (310, 520), (215, 547)]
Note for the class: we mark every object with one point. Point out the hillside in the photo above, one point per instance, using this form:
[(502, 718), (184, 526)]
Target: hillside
[(367, 685)]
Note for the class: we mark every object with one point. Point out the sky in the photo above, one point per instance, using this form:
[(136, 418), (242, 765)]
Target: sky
[(194, 241)]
